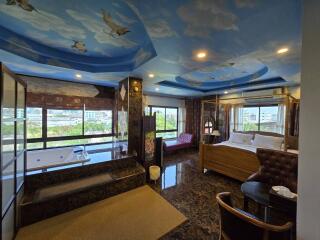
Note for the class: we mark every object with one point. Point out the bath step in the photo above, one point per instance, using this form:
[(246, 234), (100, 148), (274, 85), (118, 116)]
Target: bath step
[(55, 199)]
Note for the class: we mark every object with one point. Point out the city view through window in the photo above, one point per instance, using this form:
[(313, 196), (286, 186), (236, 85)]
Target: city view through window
[(66, 123), (166, 121), (264, 118)]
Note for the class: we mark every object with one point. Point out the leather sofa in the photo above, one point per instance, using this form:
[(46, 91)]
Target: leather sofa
[(277, 168)]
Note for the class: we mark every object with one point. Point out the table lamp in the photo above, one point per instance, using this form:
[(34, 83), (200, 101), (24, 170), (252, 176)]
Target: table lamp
[(215, 133)]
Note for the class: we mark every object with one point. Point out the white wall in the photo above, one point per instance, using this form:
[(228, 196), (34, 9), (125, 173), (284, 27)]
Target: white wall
[(309, 160)]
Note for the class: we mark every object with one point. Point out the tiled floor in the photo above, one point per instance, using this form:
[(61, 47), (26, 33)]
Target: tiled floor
[(193, 193)]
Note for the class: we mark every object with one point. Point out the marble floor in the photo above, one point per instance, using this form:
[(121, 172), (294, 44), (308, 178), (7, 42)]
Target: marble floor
[(193, 193)]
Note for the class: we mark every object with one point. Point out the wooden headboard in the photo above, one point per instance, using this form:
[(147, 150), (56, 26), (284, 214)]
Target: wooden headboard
[(292, 141)]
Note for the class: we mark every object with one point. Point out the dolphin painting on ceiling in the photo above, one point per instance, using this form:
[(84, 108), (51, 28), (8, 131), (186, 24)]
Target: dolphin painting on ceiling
[(24, 4), (115, 28)]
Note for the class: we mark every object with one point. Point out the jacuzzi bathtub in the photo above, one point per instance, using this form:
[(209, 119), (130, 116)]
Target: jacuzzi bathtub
[(46, 158)]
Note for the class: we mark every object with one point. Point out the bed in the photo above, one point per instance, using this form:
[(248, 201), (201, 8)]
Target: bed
[(237, 161)]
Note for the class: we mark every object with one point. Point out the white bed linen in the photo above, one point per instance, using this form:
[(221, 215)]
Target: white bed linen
[(250, 148)]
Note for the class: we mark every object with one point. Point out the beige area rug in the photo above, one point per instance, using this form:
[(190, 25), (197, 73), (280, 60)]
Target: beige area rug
[(140, 214)]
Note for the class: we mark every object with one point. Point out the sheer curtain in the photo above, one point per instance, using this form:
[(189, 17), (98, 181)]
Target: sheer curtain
[(181, 120), (237, 118), (281, 118)]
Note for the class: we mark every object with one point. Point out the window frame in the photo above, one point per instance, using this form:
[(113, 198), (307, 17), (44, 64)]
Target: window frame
[(259, 115), (165, 119), (45, 139)]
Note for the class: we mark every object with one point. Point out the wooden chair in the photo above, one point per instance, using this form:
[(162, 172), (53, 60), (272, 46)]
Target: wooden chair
[(236, 224)]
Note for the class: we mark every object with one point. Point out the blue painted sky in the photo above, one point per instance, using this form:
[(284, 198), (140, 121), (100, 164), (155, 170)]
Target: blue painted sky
[(241, 38)]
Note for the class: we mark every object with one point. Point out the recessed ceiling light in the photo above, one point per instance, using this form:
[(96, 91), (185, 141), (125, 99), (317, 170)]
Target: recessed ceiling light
[(201, 55), (78, 75), (226, 92), (151, 75), (157, 89), (282, 50)]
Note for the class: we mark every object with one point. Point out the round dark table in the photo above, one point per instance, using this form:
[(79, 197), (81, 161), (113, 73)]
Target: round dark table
[(258, 192)]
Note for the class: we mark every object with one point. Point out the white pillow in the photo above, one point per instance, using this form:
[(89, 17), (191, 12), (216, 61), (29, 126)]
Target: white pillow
[(267, 142), (241, 138)]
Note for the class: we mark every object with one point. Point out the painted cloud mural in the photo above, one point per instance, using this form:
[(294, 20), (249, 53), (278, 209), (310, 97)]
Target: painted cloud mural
[(106, 41)]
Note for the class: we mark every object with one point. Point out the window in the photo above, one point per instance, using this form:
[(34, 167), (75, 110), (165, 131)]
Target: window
[(160, 117), (269, 119), (64, 123), (78, 142), (166, 121), (97, 122), (34, 122), (64, 127), (250, 119), (260, 118), (208, 127)]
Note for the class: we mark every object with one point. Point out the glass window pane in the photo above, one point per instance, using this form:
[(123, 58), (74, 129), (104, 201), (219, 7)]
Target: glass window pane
[(20, 135), (160, 117), (36, 145), (64, 122), (250, 119), (97, 122), (63, 143), (147, 111), (167, 135), (7, 122), (20, 101), (269, 119), (7, 185), (20, 170), (7, 142), (171, 118), (34, 123)]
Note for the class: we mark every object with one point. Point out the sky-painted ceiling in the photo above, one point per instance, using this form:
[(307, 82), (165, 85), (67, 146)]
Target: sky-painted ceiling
[(102, 42)]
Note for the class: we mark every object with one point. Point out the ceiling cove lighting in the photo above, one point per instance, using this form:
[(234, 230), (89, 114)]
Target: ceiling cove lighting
[(151, 75), (226, 92), (282, 50), (78, 75)]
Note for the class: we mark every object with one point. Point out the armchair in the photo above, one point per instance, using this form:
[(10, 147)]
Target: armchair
[(238, 224), (277, 168)]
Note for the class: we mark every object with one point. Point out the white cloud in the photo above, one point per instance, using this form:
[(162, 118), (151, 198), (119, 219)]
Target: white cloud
[(100, 30), (203, 16), (44, 21), (141, 56), (45, 39), (20, 47), (125, 19), (159, 29), (31, 68)]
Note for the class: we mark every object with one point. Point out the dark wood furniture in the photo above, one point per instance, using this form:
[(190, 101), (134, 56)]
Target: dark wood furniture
[(277, 168), (265, 197), (237, 224), (230, 161)]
